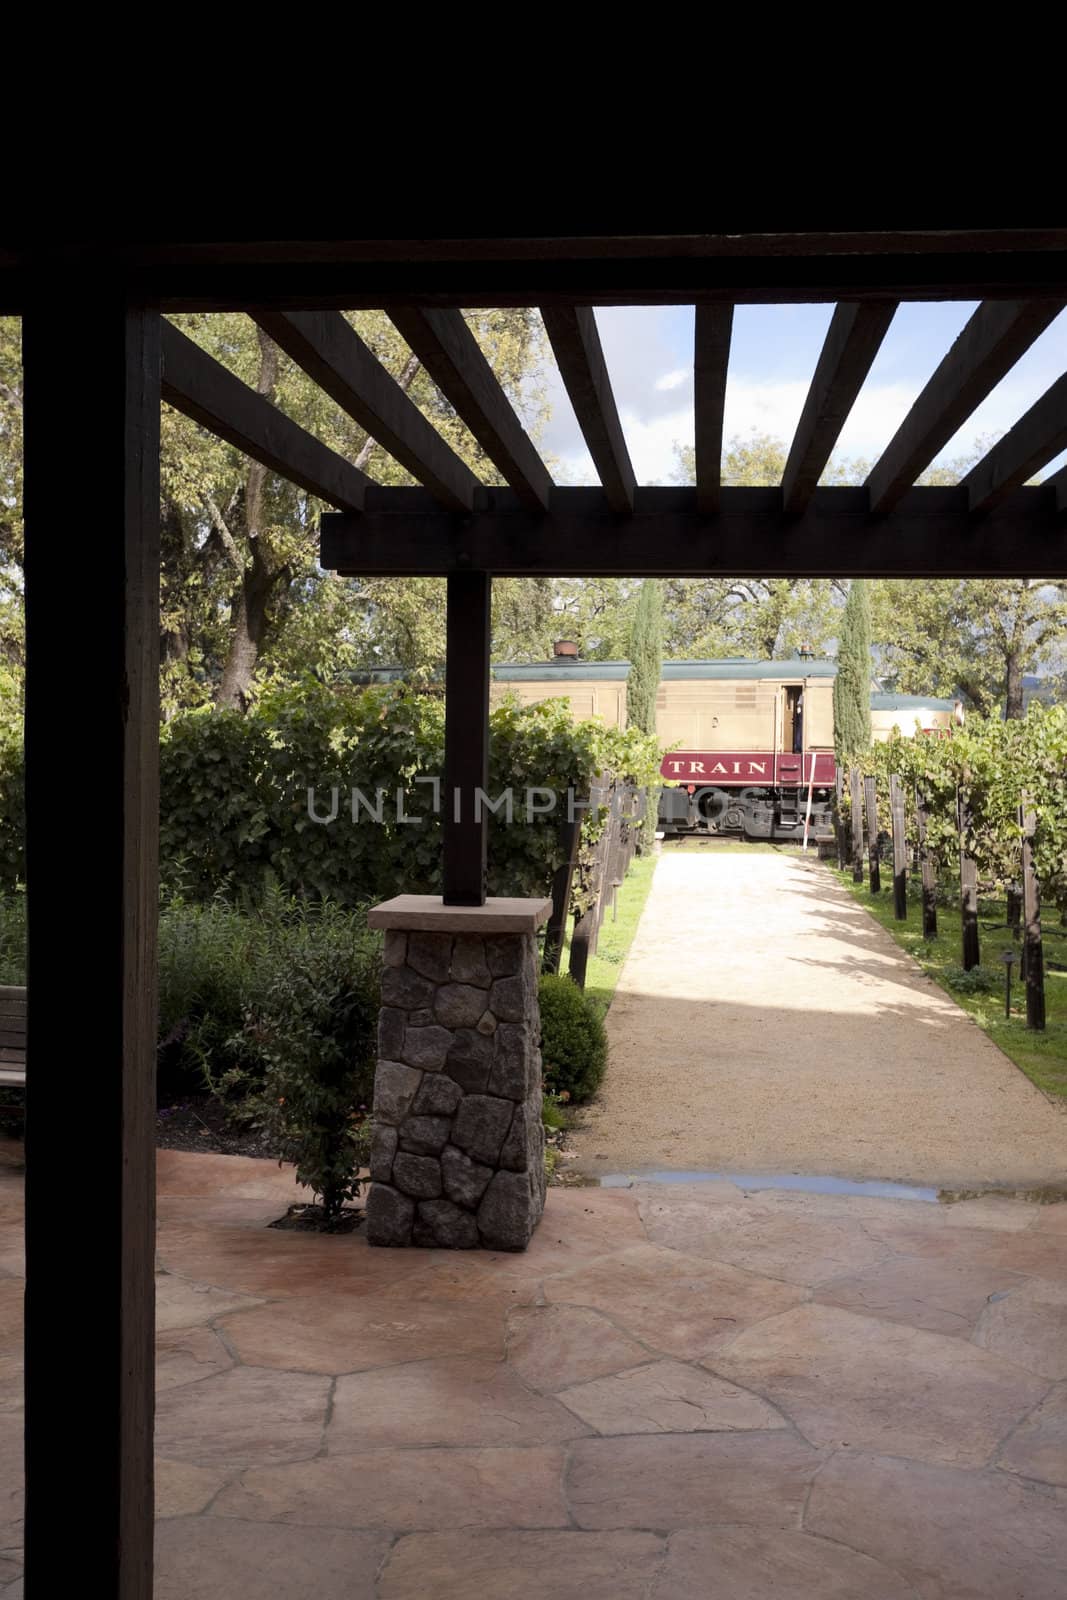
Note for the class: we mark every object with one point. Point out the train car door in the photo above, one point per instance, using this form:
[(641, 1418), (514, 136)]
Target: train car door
[(793, 725)]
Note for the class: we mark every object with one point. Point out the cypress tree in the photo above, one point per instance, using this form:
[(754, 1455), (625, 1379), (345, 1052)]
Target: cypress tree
[(646, 658), (642, 685), (852, 686)]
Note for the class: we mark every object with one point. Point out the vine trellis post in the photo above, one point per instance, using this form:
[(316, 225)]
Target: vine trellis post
[(927, 866), (870, 790), (1033, 952), (900, 850), (968, 885), (857, 824)]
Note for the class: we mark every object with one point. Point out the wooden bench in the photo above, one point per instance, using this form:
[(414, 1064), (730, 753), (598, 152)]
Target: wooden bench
[(12, 1036)]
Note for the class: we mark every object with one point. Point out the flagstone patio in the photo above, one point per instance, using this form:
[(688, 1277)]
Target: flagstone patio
[(677, 1390)]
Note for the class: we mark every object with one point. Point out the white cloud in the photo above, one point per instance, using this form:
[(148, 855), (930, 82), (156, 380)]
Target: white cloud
[(656, 407)]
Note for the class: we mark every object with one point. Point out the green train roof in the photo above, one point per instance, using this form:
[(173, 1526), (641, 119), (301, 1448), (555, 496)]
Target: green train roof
[(572, 671), (568, 670), (909, 702)]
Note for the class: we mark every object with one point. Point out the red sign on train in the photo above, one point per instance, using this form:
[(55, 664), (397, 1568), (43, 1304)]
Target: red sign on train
[(726, 768)]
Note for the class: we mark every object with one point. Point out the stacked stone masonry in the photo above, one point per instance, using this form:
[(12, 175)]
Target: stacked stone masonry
[(458, 1153)]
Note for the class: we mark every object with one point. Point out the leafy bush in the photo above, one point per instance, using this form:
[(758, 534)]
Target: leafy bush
[(979, 980), (12, 938), (234, 790), (314, 1032), (574, 1045), (996, 763), (228, 981)]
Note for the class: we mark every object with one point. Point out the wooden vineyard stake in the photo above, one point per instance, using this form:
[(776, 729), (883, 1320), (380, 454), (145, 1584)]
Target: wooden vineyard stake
[(900, 850), (569, 835), (605, 854), (1015, 910), (587, 922), (1033, 951), (968, 888), (870, 791), (857, 824), (928, 869)]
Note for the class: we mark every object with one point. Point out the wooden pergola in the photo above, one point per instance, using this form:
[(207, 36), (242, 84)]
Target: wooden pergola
[(92, 768)]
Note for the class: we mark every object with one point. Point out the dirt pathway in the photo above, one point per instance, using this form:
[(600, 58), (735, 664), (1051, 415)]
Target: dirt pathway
[(764, 1023)]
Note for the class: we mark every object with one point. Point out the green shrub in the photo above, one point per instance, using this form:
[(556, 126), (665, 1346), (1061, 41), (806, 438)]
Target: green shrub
[(12, 938), (314, 1032), (574, 1045), (222, 979), (979, 980), (210, 958), (234, 815)]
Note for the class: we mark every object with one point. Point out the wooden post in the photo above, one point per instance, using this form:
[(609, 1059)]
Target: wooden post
[(569, 835), (856, 804), (900, 850), (604, 849), (840, 836), (928, 869), (586, 923), (968, 888), (466, 737), (1032, 946), (90, 1358), (870, 791)]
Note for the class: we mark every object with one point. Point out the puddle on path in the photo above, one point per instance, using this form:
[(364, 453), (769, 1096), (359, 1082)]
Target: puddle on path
[(1046, 1194), (785, 1180)]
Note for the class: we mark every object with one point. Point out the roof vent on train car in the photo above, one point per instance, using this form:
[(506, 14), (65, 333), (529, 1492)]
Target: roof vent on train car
[(565, 649)]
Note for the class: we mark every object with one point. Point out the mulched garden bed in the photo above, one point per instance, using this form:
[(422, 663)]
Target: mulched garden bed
[(200, 1122)]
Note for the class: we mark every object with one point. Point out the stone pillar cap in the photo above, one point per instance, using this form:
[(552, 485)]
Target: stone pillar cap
[(427, 913)]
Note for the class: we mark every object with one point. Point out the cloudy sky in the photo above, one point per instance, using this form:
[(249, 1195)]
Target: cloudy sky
[(649, 351)]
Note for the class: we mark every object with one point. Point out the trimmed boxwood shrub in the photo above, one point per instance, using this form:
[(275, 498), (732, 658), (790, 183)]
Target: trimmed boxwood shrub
[(574, 1045)]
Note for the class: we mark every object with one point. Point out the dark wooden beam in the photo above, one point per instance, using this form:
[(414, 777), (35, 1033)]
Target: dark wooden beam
[(988, 347), (931, 534), (1057, 487), (745, 263), (853, 339), (332, 353), (711, 358), (575, 341), (1031, 444), (465, 834), (453, 357), (198, 385), (91, 949)]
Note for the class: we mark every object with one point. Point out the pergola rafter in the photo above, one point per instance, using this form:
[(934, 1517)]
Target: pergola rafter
[(202, 388), (988, 347), (853, 339), (453, 357), (332, 353), (713, 326), (1035, 440), (575, 341)]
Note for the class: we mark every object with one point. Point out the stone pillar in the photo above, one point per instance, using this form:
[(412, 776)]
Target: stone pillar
[(458, 1153)]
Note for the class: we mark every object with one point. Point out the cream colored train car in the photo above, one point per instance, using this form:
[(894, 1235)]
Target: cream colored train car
[(750, 747)]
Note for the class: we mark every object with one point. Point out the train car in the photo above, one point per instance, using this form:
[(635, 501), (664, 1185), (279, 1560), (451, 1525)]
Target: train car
[(750, 748)]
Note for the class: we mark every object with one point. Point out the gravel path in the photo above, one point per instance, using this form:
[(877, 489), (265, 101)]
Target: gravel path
[(765, 1023)]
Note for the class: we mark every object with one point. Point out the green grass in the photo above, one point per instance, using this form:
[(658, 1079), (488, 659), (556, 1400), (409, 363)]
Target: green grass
[(1042, 1056), (616, 935)]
